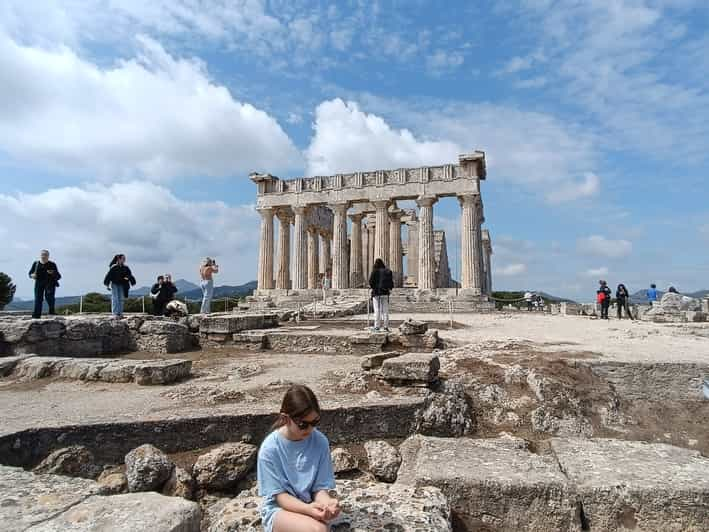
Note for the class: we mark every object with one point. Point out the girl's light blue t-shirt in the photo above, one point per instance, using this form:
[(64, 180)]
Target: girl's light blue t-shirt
[(299, 468)]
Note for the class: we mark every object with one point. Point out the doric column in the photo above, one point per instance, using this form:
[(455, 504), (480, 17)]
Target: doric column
[(283, 278), (372, 229), (381, 240), (365, 254), (396, 259), (326, 258), (356, 251), (340, 276), (487, 254), (300, 267), (265, 251), (471, 244), (412, 258), (427, 264), (313, 255)]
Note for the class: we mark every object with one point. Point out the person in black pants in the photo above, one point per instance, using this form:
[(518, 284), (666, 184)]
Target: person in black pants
[(163, 292), (46, 280), (622, 298), (604, 298)]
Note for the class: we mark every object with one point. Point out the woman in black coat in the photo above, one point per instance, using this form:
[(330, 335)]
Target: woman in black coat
[(118, 280), (622, 298)]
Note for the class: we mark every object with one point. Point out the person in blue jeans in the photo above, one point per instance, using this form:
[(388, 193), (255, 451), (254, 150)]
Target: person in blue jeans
[(652, 294), (294, 469), (208, 268), (118, 280)]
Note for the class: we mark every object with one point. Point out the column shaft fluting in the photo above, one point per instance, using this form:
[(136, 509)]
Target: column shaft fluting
[(326, 258), (427, 264), (412, 258), (365, 254), (356, 251), (340, 275), (396, 259), (381, 241), (470, 244), (488, 271), (265, 253), (300, 267), (283, 277), (372, 228), (313, 256)]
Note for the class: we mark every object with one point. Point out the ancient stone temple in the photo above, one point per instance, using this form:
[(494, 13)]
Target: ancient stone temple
[(321, 209)]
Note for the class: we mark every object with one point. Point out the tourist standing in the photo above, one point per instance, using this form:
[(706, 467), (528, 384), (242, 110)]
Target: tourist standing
[(529, 299), (163, 292), (294, 468), (46, 280), (652, 294), (381, 281), (603, 296), (208, 268), (622, 300), (325, 284), (119, 279)]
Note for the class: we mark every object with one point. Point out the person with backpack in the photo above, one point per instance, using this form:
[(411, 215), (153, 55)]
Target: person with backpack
[(622, 299), (603, 296), (118, 280), (381, 281), (46, 280)]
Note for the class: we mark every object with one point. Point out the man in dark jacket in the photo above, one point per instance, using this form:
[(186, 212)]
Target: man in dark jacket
[(381, 281), (46, 279), (164, 292), (118, 280), (604, 298), (622, 300)]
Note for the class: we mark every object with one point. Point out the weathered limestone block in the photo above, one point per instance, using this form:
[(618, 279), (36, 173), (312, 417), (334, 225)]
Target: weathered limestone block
[(494, 484), (224, 466), (413, 327), (234, 323), (8, 364), (383, 459), (446, 412), (369, 338), (428, 340), (161, 371), (366, 507), (375, 360), (250, 340), (147, 468), (27, 499), (626, 485), (180, 484), (342, 461), (33, 368), (411, 368), (74, 461), (163, 336), (137, 512)]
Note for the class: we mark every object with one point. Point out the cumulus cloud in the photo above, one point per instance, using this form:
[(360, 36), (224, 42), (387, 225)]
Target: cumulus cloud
[(85, 226), (511, 270), (596, 272), (604, 247), (569, 191), (348, 139), (153, 116)]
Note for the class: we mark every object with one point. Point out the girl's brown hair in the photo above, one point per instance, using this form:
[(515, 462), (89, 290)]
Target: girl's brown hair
[(297, 403)]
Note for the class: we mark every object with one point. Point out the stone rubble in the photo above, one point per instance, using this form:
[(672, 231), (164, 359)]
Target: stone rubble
[(411, 368), (383, 460), (147, 468), (180, 484), (74, 461), (224, 466), (376, 360), (446, 412), (343, 461)]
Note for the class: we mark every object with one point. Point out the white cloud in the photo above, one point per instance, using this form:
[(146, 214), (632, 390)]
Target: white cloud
[(153, 115), (532, 83), (348, 139), (442, 61), (511, 270), (596, 272), (589, 187), (601, 246), (84, 227)]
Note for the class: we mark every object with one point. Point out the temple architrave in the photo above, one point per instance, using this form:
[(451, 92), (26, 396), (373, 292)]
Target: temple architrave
[(320, 210)]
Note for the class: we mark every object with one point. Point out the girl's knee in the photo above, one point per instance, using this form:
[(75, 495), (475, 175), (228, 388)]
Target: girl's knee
[(319, 527)]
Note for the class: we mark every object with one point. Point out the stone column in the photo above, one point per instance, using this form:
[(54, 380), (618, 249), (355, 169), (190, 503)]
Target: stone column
[(365, 254), (412, 259), (283, 278), (372, 228), (381, 240), (471, 244), (356, 251), (326, 257), (265, 251), (396, 259), (488, 270), (427, 263), (300, 267), (340, 276), (313, 255)]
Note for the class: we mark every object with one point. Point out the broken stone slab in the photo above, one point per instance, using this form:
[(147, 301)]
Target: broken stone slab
[(375, 360), (373, 338), (491, 484), (636, 485), (250, 340), (27, 499), (410, 327), (234, 323), (162, 371), (137, 512), (428, 340), (411, 368), (74, 461), (366, 507), (8, 364)]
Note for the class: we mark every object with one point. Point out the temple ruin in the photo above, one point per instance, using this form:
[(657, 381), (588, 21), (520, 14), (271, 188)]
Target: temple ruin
[(319, 208)]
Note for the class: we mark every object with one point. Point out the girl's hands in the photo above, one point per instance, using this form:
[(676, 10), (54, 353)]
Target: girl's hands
[(318, 511), (332, 509), (325, 510)]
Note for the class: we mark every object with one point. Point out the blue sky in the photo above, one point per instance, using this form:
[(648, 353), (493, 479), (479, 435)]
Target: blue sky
[(126, 127)]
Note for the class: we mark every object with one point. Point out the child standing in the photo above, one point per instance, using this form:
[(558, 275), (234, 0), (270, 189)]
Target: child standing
[(295, 469)]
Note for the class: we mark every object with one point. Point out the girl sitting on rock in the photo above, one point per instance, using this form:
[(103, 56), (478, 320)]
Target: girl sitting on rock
[(295, 470)]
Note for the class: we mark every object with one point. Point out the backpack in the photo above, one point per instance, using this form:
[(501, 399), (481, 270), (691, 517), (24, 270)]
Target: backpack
[(600, 297), (386, 280)]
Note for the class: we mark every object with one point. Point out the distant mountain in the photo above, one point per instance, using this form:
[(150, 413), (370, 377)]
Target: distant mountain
[(555, 299), (193, 292), (641, 295), (699, 294), (181, 284)]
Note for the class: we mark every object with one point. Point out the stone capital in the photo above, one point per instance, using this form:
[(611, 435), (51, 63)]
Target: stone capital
[(468, 199), (339, 207), (265, 211), (284, 214), (426, 201), (356, 217), (381, 204), (395, 216), (301, 210)]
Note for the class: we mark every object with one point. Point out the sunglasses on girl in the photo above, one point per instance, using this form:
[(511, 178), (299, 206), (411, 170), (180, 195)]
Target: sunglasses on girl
[(303, 425)]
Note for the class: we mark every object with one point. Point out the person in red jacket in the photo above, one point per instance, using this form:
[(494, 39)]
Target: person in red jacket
[(603, 296)]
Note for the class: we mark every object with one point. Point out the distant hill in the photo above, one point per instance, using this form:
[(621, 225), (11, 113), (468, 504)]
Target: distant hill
[(193, 293), (640, 295), (555, 299)]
